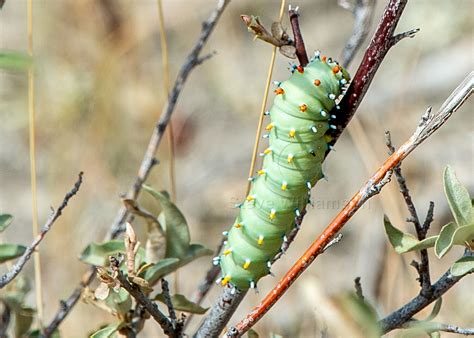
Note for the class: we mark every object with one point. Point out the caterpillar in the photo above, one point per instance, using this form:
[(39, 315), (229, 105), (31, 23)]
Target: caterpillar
[(298, 135)]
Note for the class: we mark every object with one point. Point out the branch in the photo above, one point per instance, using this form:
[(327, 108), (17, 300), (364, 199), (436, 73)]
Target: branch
[(192, 60), (299, 43), (428, 124), (423, 268), (404, 314), (16, 269), (135, 291), (363, 11), (221, 312), (373, 57), (434, 327)]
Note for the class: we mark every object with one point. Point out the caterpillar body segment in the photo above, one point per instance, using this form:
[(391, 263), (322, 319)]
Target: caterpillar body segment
[(298, 140)]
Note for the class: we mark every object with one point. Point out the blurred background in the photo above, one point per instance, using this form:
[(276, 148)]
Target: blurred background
[(99, 91)]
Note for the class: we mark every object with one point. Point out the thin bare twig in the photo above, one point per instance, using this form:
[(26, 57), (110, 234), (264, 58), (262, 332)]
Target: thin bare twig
[(404, 314), (192, 60), (428, 124), (423, 268), (363, 11), (299, 42), (16, 269), (430, 327), (165, 289), (358, 288)]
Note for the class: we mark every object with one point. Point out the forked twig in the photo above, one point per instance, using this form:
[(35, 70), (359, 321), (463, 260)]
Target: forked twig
[(405, 313), (16, 269)]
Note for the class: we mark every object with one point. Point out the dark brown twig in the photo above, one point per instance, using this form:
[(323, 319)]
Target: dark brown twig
[(16, 269), (358, 288), (423, 268), (150, 306), (299, 42), (363, 11), (401, 316), (192, 60), (165, 289), (373, 57)]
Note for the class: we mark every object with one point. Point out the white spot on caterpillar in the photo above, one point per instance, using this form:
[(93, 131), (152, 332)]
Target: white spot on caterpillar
[(332, 126), (332, 96), (313, 129), (323, 113)]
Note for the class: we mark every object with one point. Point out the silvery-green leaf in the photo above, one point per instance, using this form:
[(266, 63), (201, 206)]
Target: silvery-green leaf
[(458, 198)]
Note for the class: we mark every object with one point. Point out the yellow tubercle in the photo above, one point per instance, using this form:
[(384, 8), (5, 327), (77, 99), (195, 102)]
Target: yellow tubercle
[(269, 126), (238, 225), (226, 280), (260, 240), (292, 132), (261, 172), (227, 252), (250, 198), (267, 151), (272, 214), (246, 264), (290, 158), (284, 185)]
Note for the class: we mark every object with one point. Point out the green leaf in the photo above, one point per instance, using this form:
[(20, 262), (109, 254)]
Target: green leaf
[(363, 314), (444, 242), (252, 334), (120, 301), (106, 332), (160, 269), (168, 265), (195, 251), (5, 220), (37, 334), (463, 266), (23, 320), (403, 242), (10, 251), (98, 253), (464, 235), (11, 60), (181, 303), (436, 309), (177, 231), (458, 198)]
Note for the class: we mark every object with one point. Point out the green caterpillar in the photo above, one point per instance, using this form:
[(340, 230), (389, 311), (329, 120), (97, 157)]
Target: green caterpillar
[(298, 140)]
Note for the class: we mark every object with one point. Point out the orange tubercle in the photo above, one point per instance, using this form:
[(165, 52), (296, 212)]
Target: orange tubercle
[(279, 91), (336, 69), (317, 82), (324, 58), (300, 69), (303, 108)]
